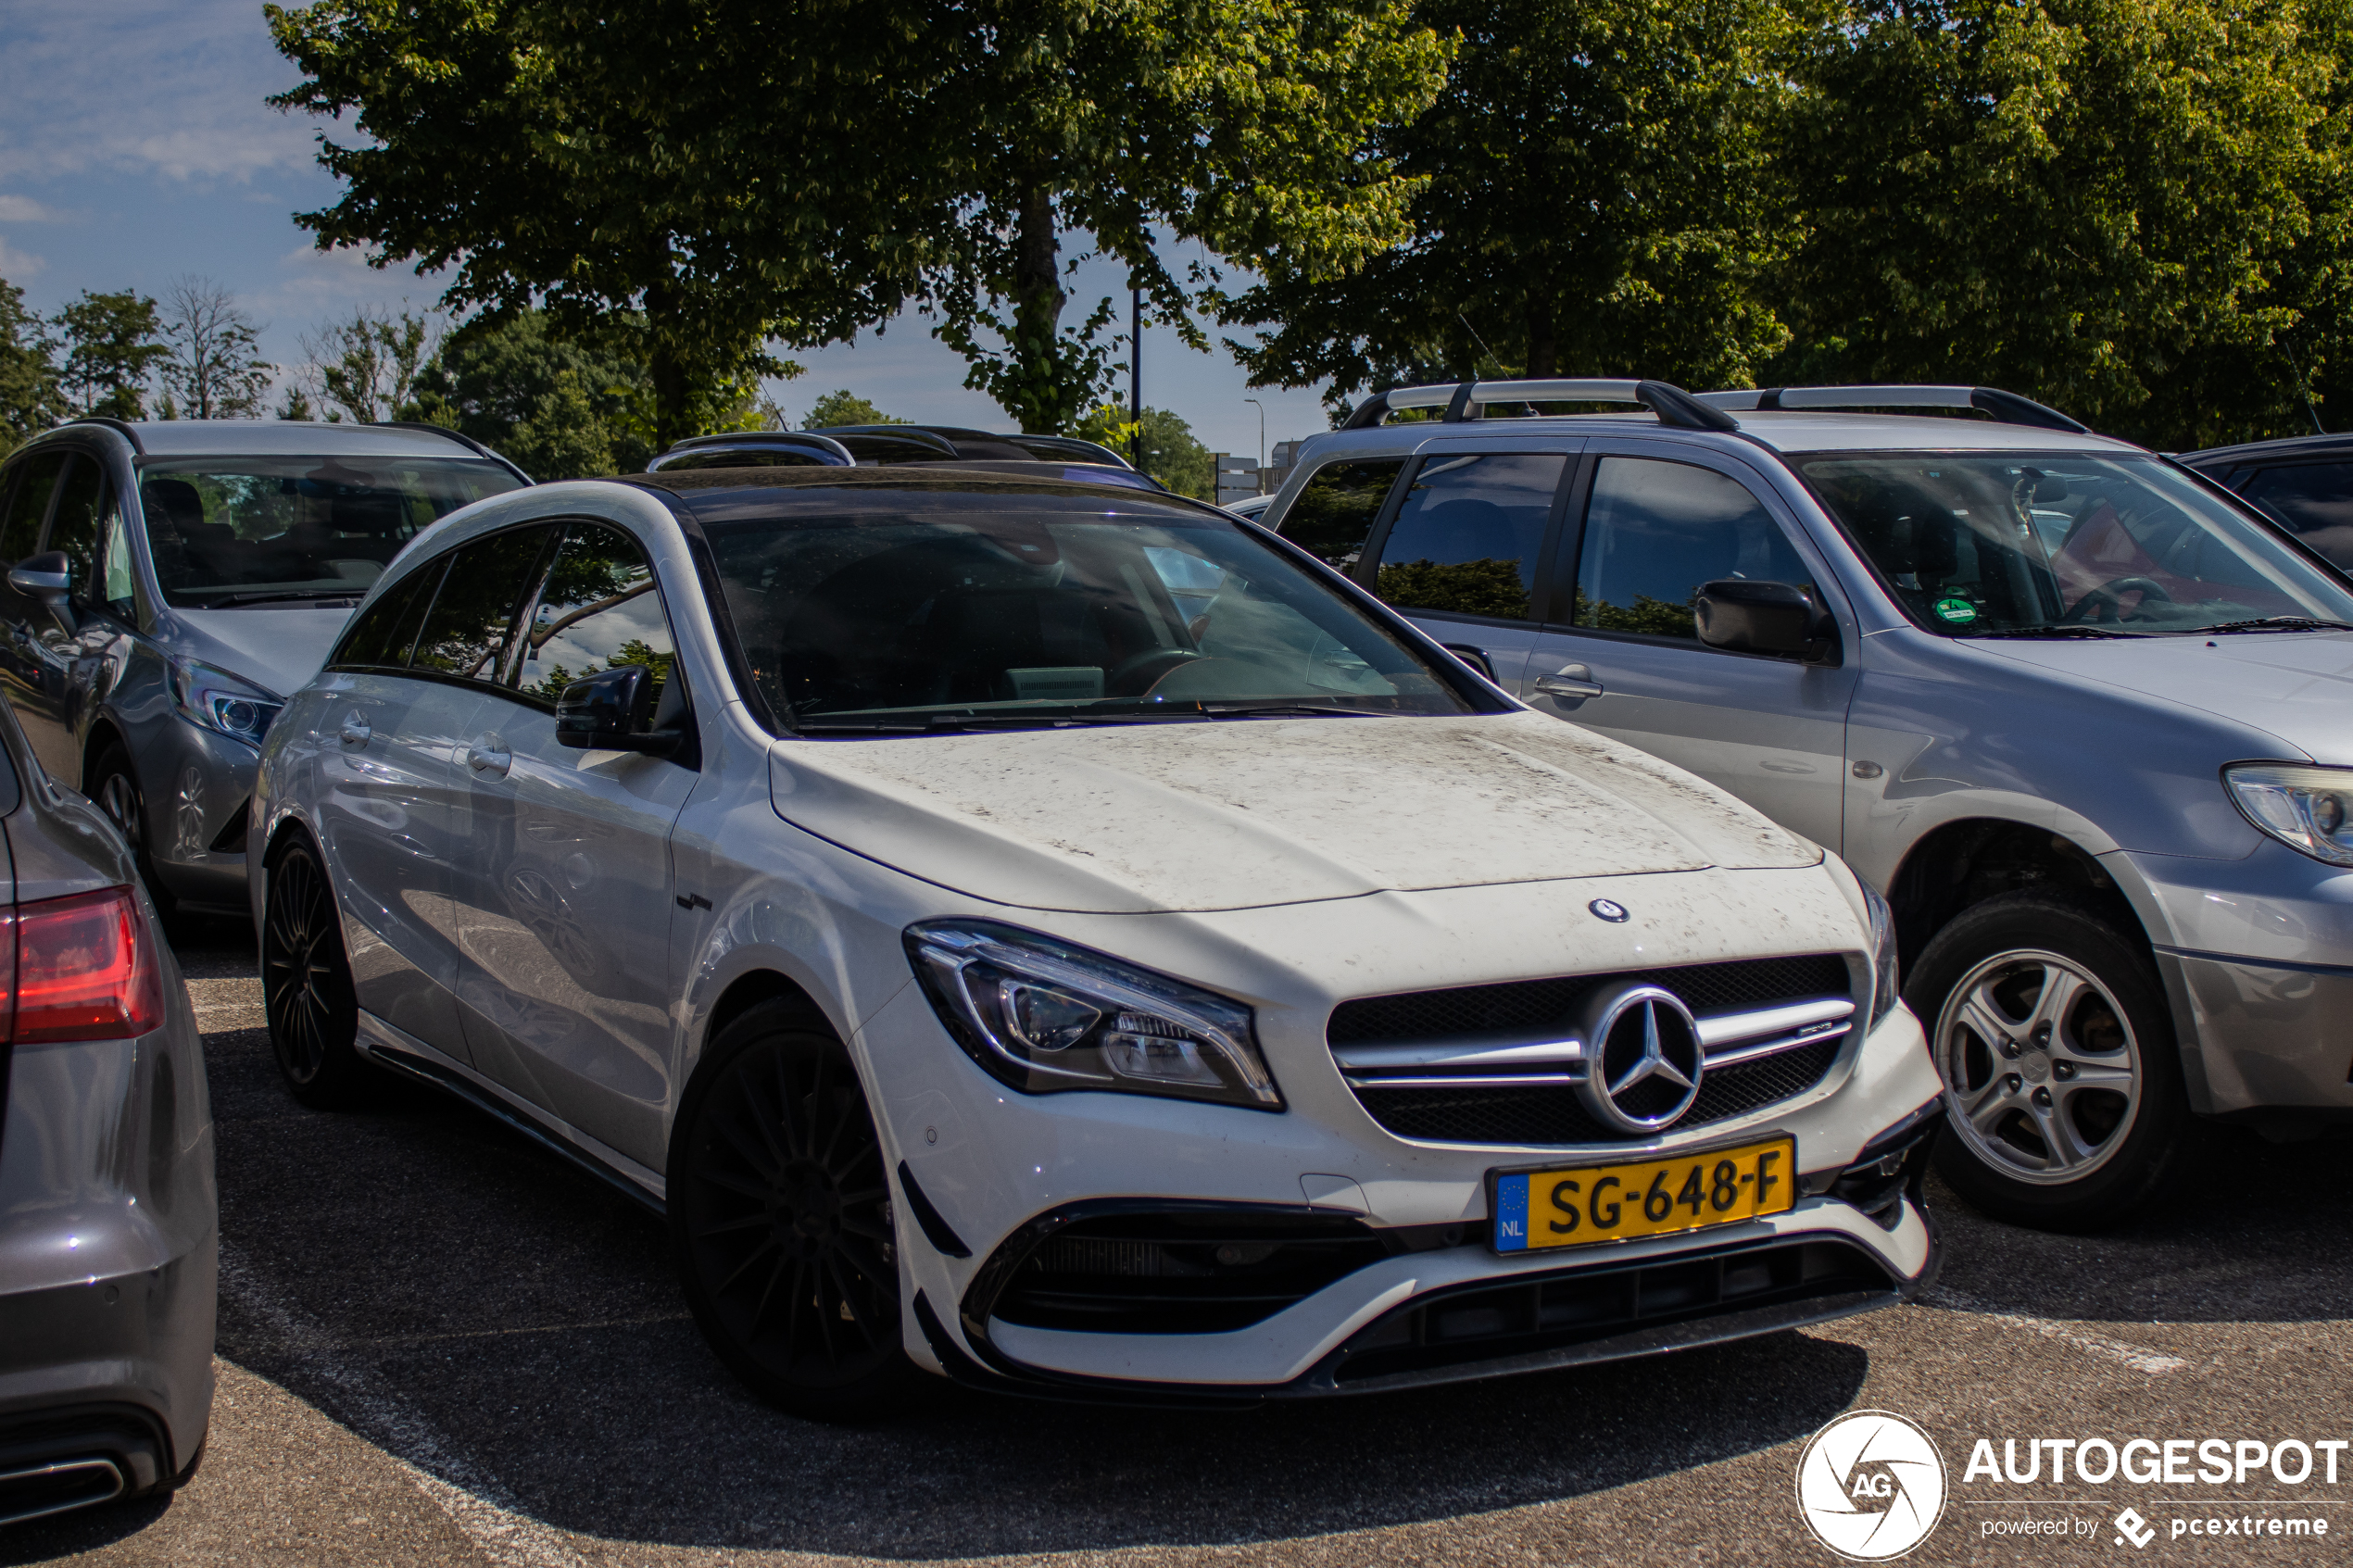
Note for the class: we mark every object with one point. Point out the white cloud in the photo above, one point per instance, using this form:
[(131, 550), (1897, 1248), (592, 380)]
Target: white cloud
[(24, 209), (16, 265), (171, 87)]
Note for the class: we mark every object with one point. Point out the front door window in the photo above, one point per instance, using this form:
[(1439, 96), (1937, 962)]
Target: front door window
[(1469, 532), (1655, 531)]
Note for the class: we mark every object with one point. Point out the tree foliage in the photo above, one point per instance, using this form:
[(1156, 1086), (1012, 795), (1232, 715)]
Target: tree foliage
[(113, 343), (1594, 198), (514, 384), (845, 407), (215, 370), (31, 400)]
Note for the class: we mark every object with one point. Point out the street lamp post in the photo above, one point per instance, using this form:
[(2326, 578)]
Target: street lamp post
[(1262, 443)]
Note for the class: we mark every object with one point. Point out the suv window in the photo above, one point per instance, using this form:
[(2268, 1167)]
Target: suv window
[(1656, 530), (1333, 515), (466, 631), (1469, 535), (20, 532), (597, 607), (81, 499), (2314, 501), (385, 632)]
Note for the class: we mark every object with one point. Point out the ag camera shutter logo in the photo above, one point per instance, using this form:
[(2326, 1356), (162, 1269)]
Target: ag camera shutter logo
[(1870, 1486)]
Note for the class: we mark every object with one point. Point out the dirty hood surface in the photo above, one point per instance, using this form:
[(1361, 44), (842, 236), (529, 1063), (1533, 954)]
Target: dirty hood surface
[(2296, 685), (1243, 813)]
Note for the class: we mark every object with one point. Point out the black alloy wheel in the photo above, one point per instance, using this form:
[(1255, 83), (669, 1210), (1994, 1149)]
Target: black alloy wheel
[(781, 1221), (116, 789), (306, 984)]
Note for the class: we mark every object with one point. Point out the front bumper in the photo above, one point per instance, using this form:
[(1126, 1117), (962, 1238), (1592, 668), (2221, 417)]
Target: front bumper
[(2257, 959), (198, 788)]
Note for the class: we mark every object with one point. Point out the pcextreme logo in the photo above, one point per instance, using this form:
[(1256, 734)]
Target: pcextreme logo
[(1870, 1486)]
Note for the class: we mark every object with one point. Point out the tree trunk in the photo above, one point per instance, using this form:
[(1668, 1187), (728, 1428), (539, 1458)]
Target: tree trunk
[(667, 372), (1543, 337), (1038, 308)]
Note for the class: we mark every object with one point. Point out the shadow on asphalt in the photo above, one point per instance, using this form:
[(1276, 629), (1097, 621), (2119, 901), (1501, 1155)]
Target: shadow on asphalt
[(528, 1312)]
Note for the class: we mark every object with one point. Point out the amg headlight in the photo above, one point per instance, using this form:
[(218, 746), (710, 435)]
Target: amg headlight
[(2308, 808), (1884, 994), (1042, 1015), (221, 702)]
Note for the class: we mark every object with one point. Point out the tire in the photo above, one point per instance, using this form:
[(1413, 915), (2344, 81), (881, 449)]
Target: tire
[(2065, 1109), (115, 787), (780, 1222), (305, 986)]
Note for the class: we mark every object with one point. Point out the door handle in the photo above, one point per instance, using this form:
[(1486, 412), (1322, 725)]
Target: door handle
[(489, 754), (355, 730), (1569, 679)]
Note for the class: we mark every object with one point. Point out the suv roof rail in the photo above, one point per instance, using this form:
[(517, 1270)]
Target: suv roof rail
[(460, 437), (2007, 407), (1465, 400), (810, 444), (120, 427)]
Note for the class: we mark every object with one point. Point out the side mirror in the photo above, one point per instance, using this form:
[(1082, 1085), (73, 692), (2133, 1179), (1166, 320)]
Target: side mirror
[(48, 577), (1740, 616), (613, 711), (1474, 656)]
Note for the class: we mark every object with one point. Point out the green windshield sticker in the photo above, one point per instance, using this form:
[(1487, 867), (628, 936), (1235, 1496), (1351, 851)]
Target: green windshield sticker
[(1958, 611)]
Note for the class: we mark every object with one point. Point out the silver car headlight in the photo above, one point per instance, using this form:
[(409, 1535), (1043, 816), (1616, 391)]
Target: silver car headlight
[(223, 703), (1884, 994), (2307, 808), (1042, 1015)]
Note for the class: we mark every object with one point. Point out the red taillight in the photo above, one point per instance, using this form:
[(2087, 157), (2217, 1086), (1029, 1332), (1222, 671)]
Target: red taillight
[(84, 970)]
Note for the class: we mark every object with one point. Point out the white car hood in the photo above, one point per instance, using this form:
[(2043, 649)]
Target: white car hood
[(1244, 813), (2296, 686), (280, 648)]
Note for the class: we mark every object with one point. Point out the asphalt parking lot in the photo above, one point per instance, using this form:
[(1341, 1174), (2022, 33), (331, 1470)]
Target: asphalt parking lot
[(439, 1344)]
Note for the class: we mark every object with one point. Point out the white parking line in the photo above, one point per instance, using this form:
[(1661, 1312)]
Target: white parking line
[(484, 1512), (2139, 1358)]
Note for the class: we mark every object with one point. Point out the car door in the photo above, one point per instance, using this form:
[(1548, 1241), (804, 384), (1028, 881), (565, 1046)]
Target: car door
[(410, 679), (2312, 500), (564, 896), (33, 672), (1461, 551), (1623, 657)]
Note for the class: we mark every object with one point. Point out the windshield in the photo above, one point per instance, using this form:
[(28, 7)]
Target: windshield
[(2065, 543), (231, 531), (902, 609)]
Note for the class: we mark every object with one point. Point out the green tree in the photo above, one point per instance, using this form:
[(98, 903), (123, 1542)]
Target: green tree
[(495, 375), (1172, 455), (31, 400), (2123, 207), (1594, 198), (215, 367), (113, 343), (366, 366), (1247, 126), (845, 407), (699, 176), (1473, 587), (563, 438)]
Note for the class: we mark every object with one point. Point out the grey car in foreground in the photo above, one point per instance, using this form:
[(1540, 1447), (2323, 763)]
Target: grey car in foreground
[(110, 1226), (171, 581), (2080, 712)]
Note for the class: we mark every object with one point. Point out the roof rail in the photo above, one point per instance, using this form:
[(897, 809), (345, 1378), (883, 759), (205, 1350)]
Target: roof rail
[(460, 437), (2007, 407), (1466, 400), (823, 450), (120, 427)]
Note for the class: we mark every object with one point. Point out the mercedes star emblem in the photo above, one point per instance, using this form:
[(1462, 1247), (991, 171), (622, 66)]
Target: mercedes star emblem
[(1643, 1059), (1609, 910)]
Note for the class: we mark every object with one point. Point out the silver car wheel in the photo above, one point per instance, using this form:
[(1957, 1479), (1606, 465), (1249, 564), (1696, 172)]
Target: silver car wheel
[(118, 799), (2041, 1069)]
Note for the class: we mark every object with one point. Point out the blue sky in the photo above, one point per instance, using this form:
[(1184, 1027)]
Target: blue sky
[(135, 149)]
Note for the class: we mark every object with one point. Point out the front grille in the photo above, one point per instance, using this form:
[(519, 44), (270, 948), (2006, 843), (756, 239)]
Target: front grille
[(1501, 1064), (1555, 1116), (1205, 1272), (1593, 1306), (1551, 1004)]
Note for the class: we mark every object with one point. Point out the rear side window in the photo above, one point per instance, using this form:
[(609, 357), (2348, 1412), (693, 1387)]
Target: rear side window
[(20, 530), (1469, 535), (74, 527), (2313, 501), (1656, 530), (1334, 515), (466, 631), (382, 634), (600, 609)]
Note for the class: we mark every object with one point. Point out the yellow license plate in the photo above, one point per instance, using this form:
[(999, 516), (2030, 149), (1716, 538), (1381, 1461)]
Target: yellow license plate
[(1576, 1205)]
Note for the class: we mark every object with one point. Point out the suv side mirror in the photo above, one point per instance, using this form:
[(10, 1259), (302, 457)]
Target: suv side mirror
[(48, 577), (613, 711), (1740, 616)]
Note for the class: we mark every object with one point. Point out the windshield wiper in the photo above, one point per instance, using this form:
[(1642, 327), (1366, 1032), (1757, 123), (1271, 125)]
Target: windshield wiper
[(2056, 631), (2273, 623), (1289, 710), (344, 596), (936, 723)]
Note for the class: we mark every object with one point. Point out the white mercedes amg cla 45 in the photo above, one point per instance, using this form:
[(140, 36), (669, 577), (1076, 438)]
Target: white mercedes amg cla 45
[(1064, 939)]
